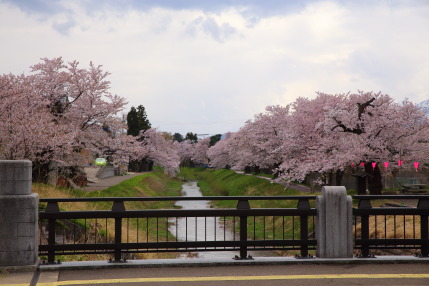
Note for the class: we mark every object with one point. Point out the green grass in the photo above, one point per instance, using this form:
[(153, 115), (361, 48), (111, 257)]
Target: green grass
[(229, 183), (154, 184)]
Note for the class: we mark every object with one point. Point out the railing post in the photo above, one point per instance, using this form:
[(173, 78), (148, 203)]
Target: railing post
[(243, 205), (364, 223), (52, 207), (424, 230), (118, 206), (18, 215), (303, 204), (334, 223)]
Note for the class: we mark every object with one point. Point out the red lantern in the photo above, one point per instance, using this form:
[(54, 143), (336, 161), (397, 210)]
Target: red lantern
[(416, 165)]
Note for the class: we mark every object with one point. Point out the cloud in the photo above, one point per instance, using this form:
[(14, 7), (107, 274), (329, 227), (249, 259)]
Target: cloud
[(64, 27), (218, 32), (37, 6), (207, 68)]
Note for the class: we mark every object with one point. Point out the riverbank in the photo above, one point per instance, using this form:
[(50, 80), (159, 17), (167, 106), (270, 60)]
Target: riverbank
[(229, 183), (153, 184)]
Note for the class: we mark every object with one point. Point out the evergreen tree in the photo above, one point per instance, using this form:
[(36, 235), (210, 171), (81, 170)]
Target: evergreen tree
[(178, 137), (214, 139), (192, 137), (137, 120)]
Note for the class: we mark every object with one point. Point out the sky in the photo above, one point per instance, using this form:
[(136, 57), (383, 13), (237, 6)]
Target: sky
[(209, 66)]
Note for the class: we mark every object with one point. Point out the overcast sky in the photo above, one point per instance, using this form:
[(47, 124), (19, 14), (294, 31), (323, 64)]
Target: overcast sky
[(208, 66)]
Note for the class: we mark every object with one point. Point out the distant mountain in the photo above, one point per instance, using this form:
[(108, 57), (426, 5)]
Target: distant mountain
[(425, 106)]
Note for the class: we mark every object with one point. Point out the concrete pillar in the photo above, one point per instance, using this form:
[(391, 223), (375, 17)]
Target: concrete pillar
[(18, 215), (334, 223)]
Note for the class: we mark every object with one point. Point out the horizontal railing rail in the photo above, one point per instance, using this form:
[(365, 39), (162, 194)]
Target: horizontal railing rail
[(205, 198), (242, 221), (392, 228)]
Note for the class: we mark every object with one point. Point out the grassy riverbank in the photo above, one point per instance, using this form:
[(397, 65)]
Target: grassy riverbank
[(154, 184), (229, 183)]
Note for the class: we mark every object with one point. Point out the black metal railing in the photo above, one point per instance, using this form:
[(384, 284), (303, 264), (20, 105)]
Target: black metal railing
[(391, 227), (120, 232)]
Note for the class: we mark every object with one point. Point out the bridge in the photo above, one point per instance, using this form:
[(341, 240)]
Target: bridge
[(318, 229)]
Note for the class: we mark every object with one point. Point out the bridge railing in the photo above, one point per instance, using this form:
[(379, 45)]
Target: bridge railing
[(121, 232), (391, 227)]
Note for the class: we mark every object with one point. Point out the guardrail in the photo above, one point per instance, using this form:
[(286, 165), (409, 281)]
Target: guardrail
[(120, 232), (90, 232), (393, 227)]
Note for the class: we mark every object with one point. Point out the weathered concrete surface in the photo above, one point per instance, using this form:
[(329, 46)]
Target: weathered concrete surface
[(18, 215), (334, 223), (15, 177)]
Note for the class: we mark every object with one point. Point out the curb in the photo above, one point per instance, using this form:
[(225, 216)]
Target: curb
[(164, 263), (18, 269)]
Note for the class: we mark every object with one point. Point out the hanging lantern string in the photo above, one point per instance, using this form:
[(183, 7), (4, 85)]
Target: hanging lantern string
[(386, 164)]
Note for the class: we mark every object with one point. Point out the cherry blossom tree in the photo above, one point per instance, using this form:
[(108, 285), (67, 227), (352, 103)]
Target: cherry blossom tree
[(184, 150), (265, 136), (79, 100), (192, 152), (60, 112), (256, 144), (199, 152), (161, 151), (306, 139), (219, 154), (328, 135), (27, 130), (336, 131)]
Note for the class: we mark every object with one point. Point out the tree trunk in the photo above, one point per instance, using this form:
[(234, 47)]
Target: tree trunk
[(256, 169), (40, 172), (330, 179), (339, 177), (361, 185), (142, 165), (375, 185)]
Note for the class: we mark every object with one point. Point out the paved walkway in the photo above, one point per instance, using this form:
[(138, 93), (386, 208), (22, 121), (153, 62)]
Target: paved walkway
[(265, 271), (102, 184), (292, 186)]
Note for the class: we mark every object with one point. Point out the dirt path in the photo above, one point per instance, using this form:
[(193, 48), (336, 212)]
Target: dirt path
[(292, 186)]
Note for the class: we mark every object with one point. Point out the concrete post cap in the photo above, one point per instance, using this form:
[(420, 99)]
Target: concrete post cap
[(15, 177)]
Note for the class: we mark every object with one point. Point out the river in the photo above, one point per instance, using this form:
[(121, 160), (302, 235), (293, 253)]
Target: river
[(201, 229)]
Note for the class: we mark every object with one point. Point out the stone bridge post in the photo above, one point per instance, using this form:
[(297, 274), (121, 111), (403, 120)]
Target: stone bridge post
[(334, 223), (18, 215)]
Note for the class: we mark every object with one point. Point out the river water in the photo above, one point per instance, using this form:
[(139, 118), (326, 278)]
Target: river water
[(202, 229)]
